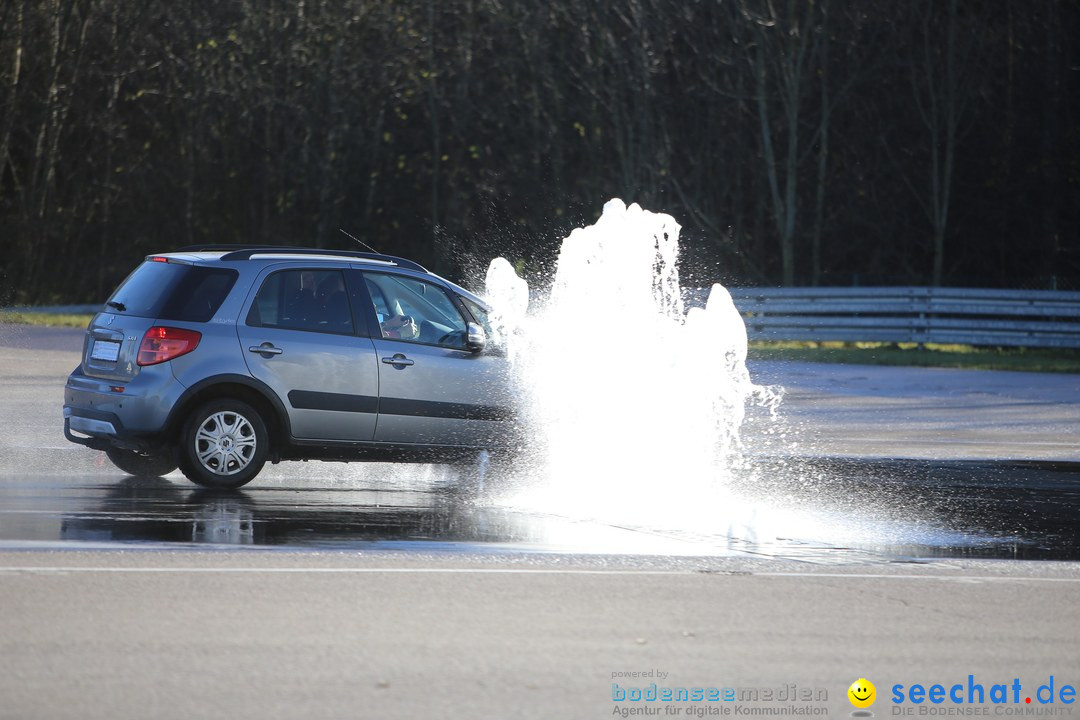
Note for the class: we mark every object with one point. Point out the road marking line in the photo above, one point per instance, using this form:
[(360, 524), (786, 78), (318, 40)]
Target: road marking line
[(398, 570), (954, 578), (527, 571)]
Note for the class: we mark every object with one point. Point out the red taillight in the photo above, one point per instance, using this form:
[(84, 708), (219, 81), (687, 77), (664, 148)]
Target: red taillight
[(160, 259), (160, 344)]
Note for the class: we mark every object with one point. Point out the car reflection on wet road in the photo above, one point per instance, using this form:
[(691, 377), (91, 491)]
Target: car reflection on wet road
[(163, 511)]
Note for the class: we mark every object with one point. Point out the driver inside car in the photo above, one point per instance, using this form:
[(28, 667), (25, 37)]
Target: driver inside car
[(400, 327)]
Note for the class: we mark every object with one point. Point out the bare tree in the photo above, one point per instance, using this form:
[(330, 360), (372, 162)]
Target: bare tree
[(786, 44), (12, 27), (942, 55)]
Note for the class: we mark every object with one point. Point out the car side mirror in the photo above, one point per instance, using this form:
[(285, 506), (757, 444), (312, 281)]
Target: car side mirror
[(476, 338)]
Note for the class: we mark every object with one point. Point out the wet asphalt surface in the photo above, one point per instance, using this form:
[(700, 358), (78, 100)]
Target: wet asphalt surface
[(859, 511), (782, 503)]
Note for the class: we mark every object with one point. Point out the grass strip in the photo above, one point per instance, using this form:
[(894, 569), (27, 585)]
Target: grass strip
[(44, 319), (929, 355)]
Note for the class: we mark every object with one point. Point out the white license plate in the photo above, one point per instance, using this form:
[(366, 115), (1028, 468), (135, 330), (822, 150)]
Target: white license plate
[(105, 350)]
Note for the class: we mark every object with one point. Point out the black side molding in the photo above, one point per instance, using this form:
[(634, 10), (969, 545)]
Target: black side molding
[(310, 400), (454, 411)]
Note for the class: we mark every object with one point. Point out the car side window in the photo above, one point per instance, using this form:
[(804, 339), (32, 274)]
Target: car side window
[(303, 300), (415, 311)]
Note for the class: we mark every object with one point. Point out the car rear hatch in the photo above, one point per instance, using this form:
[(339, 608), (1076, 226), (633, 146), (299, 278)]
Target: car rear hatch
[(161, 291), (112, 346)]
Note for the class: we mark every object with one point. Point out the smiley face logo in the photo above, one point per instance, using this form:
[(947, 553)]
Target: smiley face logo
[(862, 693)]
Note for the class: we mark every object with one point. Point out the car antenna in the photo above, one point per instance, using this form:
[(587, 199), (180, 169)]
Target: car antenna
[(349, 234)]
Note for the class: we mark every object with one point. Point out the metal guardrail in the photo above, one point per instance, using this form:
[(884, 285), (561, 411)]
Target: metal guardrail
[(1017, 318)]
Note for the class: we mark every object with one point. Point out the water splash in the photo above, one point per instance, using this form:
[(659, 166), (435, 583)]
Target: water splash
[(509, 298), (634, 406)]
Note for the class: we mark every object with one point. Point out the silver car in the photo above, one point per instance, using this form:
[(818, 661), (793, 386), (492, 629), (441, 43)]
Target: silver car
[(217, 359)]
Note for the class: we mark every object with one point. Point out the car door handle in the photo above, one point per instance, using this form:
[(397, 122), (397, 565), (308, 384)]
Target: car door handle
[(265, 349), (398, 360)]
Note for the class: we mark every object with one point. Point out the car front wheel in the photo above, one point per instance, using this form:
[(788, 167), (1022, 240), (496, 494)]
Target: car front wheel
[(224, 444)]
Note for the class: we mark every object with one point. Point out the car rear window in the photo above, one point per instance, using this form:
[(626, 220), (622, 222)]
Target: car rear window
[(173, 291)]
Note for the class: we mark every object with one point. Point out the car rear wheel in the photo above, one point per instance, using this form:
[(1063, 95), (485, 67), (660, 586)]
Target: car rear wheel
[(224, 444), (149, 465)]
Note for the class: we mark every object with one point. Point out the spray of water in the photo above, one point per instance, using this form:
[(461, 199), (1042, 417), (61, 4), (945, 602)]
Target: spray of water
[(634, 405)]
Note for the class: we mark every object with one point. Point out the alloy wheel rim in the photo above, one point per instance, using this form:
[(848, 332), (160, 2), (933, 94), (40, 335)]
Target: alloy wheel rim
[(225, 443)]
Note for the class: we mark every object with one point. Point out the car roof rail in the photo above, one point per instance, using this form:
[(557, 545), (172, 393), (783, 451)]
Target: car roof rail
[(244, 252)]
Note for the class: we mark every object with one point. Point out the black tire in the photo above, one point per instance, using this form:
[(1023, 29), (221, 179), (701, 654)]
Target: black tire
[(142, 466), (224, 444)]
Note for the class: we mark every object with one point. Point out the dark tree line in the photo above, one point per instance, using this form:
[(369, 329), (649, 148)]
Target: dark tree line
[(796, 141)]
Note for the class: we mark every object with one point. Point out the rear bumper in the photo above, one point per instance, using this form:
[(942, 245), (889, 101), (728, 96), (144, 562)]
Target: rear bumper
[(92, 429), (102, 431), (98, 415)]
